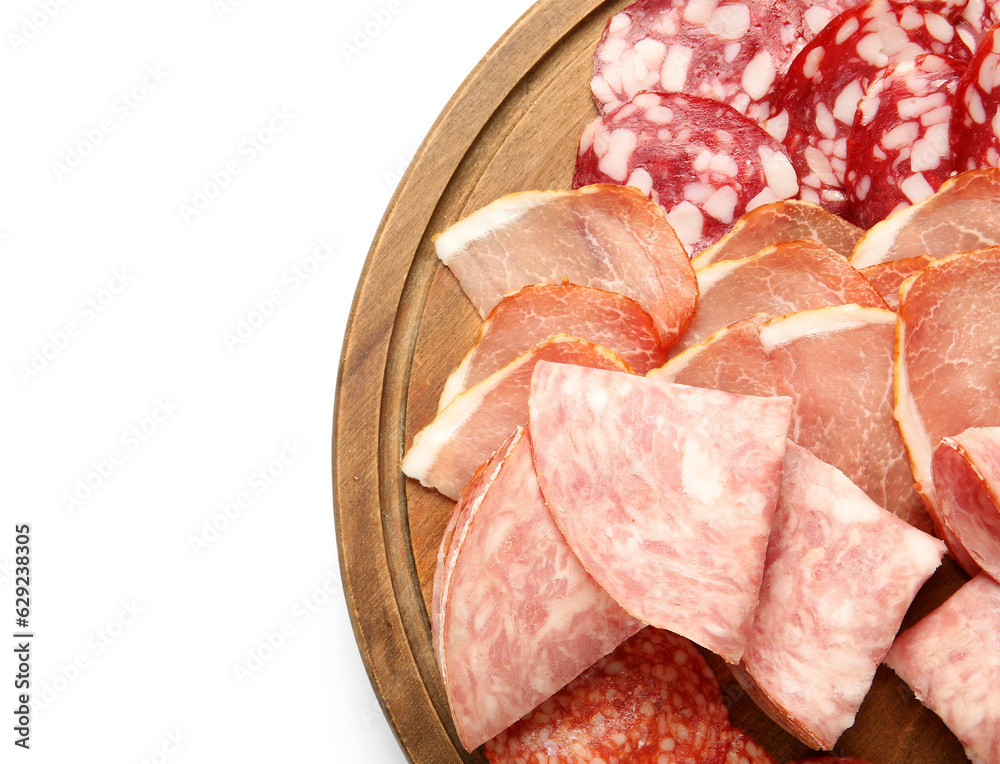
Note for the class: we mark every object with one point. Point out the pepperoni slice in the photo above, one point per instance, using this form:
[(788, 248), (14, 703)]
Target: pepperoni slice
[(654, 700), (701, 161), (898, 152), (975, 124)]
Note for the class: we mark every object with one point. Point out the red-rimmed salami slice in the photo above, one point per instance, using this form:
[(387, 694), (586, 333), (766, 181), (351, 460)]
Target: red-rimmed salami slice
[(975, 124), (898, 152), (701, 161), (654, 700), (817, 100)]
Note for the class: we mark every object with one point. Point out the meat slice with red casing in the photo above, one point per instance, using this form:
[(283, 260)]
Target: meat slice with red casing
[(841, 573), (731, 51), (704, 163), (898, 151), (664, 491), (604, 236), (836, 364), (975, 125), (951, 661), (963, 215), (654, 700), (966, 470), (536, 312), (784, 278), (521, 617), (816, 101), (732, 359), (947, 369), (445, 454), (790, 220), (888, 277)]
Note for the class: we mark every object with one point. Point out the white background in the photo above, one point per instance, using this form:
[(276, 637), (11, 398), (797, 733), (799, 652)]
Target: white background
[(170, 357)]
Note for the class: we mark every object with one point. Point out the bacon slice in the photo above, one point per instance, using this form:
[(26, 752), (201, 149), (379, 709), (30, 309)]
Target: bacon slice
[(732, 359), (963, 215), (840, 575), (837, 366), (785, 278), (445, 454), (947, 368), (534, 313), (665, 492), (951, 661), (967, 481), (608, 237), (521, 617), (790, 220), (888, 277), (654, 699)]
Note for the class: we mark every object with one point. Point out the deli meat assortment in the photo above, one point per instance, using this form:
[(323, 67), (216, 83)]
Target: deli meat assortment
[(737, 390)]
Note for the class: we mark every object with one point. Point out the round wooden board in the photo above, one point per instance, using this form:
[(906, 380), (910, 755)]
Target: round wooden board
[(512, 126)]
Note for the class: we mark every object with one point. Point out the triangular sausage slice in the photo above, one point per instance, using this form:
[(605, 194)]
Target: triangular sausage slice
[(521, 617), (665, 492)]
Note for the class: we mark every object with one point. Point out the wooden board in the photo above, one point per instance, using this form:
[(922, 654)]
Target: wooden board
[(512, 126)]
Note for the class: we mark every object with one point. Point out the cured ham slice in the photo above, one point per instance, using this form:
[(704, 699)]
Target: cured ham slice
[(898, 151), (608, 237), (534, 313), (963, 215), (967, 481), (702, 162), (947, 366), (521, 617), (654, 699), (790, 220), (888, 277), (785, 278), (731, 51), (951, 661), (732, 359), (975, 125), (841, 573), (665, 492), (837, 366), (445, 454)]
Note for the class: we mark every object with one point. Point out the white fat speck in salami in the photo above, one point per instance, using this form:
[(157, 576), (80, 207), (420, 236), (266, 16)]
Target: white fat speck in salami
[(705, 166), (898, 152), (731, 51), (975, 139), (820, 94)]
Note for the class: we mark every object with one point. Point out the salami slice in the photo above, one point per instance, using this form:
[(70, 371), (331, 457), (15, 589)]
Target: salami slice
[(701, 161), (816, 102), (743, 750), (951, 661), (976, 121), (732, 51), (898, 152), (519, 616), (654, 700)]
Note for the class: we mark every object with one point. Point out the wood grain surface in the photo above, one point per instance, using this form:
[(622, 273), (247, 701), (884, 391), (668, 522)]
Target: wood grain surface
[(512, 126)]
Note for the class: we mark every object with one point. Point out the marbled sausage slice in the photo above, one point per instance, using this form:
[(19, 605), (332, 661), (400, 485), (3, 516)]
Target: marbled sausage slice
[(521, 617), (608, 237), (975, 125), (664, 491), (966, 471), (701, 161), (951, 661), (840, 575)]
